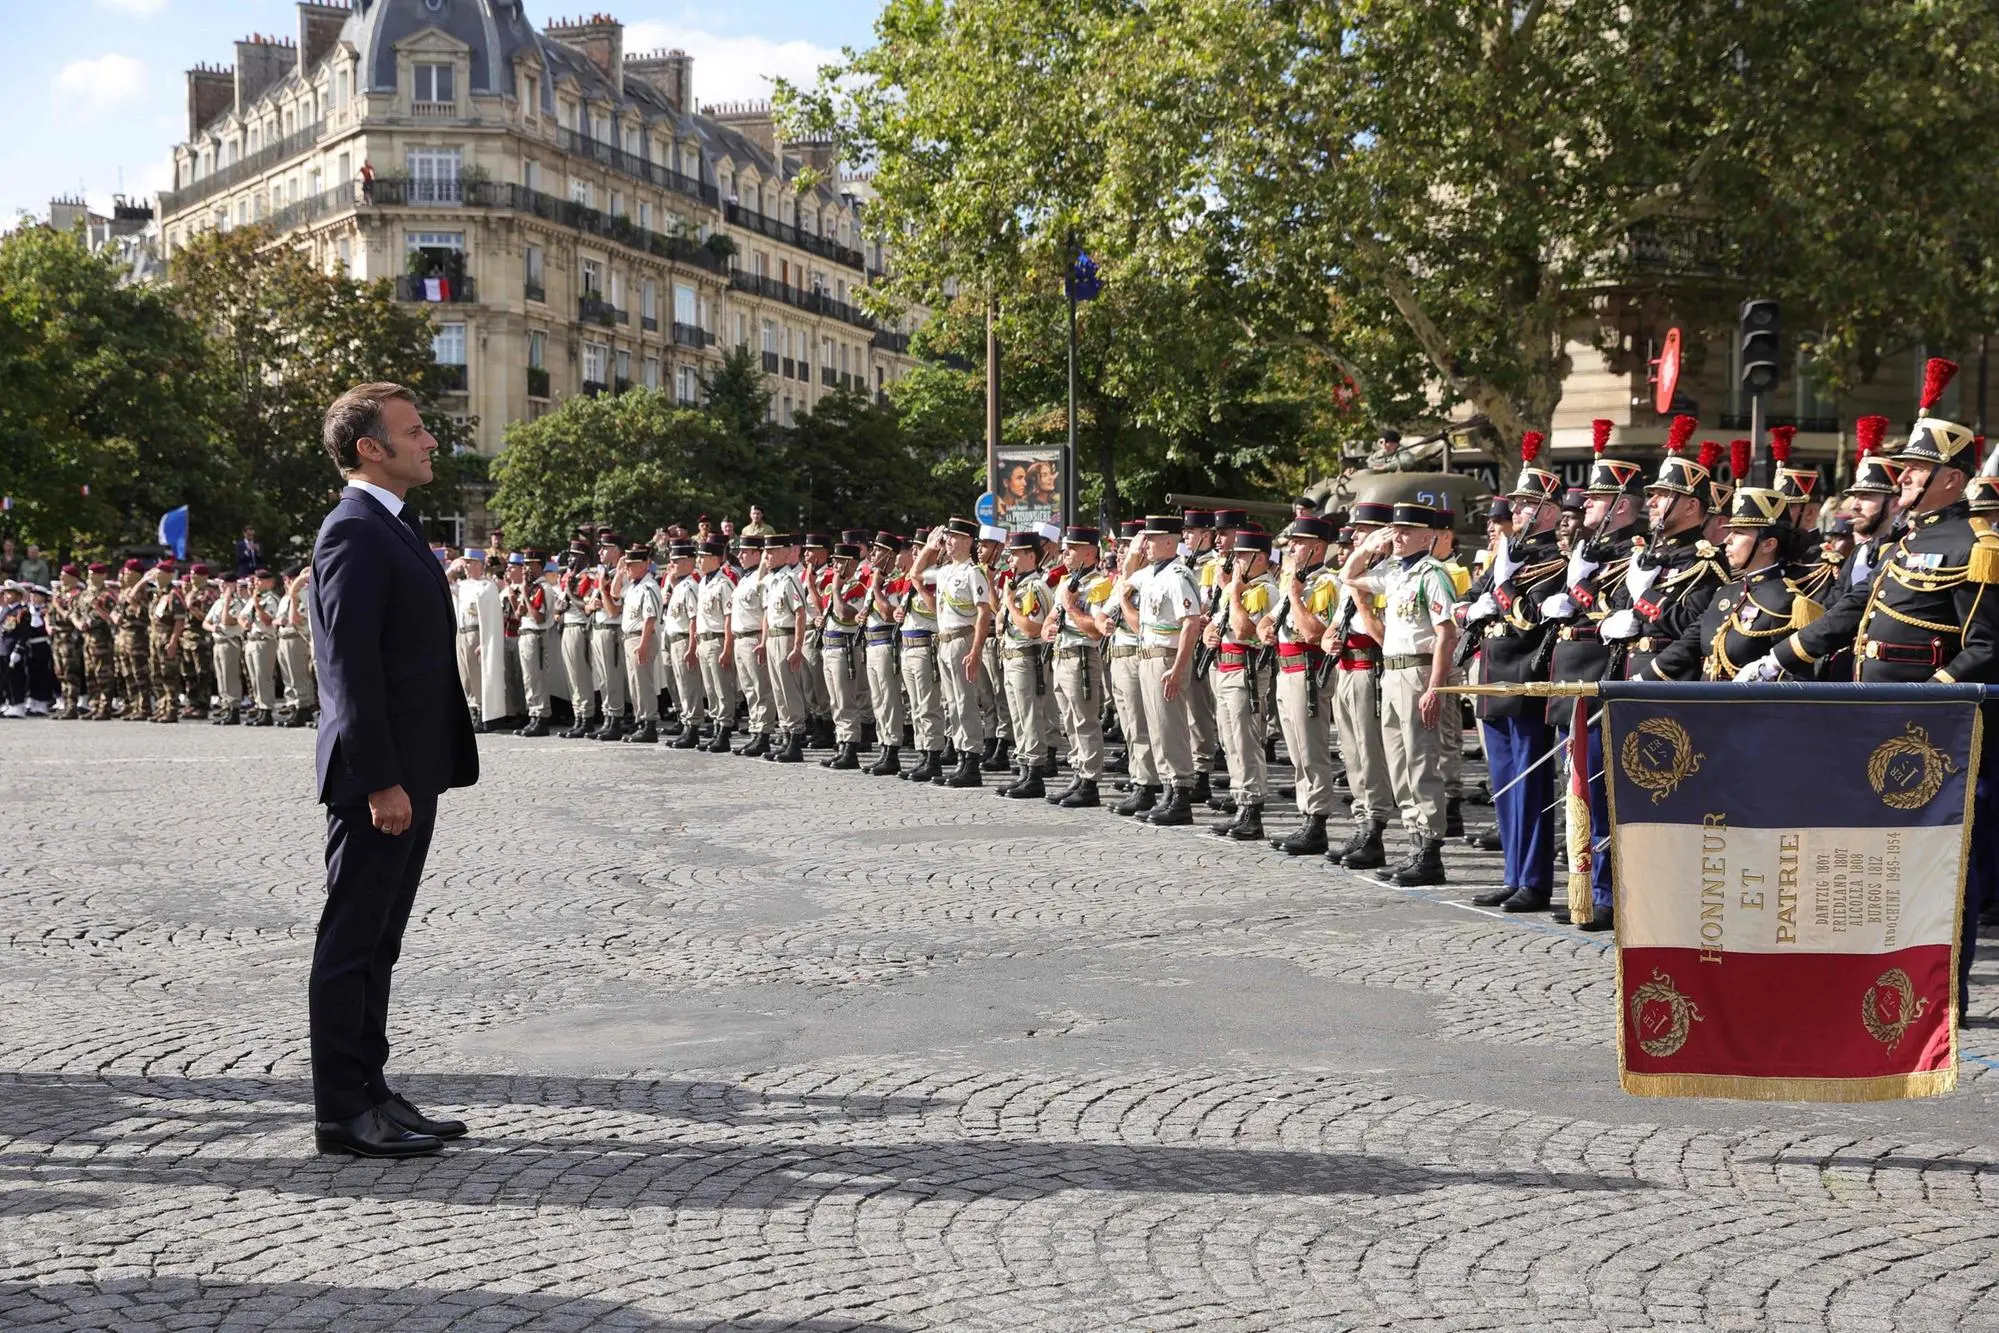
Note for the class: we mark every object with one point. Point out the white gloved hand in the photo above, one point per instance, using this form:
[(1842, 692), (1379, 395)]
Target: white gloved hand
[(1762, 669), (1620, 625), (1485, 608), (1639, 578), (1504, 564), (1581, 566), (1558, 607)]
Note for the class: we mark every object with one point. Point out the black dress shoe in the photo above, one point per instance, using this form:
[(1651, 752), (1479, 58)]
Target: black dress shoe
[(373, 1134), (1598, 923), (1494, 897), (399, 1109)]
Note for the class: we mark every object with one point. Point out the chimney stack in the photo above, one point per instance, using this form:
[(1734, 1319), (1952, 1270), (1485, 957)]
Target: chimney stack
[(752, 120), (318, 29), (601, 38), (671, 72), (210, 92), (260, 62)]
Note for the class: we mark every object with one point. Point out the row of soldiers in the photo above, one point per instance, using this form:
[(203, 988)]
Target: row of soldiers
[(163, 645)]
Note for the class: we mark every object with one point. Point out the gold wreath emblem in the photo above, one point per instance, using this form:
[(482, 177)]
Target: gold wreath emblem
[(1668, 1029), (1659, 756), (1890, 1007), (1907, 770)]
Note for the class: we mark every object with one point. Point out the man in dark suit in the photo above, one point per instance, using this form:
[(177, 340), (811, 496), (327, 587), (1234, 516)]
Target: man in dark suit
[(393, 733)]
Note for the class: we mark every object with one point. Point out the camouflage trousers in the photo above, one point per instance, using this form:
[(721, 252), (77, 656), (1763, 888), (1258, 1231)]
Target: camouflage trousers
[(166, 663), (68, 650), (100, 669), (197, 657), (134, 676)]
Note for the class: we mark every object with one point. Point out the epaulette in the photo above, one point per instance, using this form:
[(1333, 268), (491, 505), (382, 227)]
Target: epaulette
[(1984, 563), (1706, 549), (1803, 609)]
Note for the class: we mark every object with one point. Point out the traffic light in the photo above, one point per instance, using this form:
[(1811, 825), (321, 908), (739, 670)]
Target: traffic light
[(1761, 344)]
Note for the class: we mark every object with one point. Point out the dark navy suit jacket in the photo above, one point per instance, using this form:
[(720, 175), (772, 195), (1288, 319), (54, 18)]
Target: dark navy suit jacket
[(391, 710)]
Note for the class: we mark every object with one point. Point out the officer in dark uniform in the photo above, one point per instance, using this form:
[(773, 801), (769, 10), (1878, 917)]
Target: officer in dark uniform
[(1813, 570), (1668, 585), (1504, 625), (1762, 606), (1825, 647)]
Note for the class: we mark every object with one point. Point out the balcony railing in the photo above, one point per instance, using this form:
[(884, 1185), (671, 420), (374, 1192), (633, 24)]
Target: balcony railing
[(591, 388), (790, 235), (790, 368), (244, 168), (451, 378), (829, 377), (1675, 246), (691, 335), (456, 291), (770, 363), (582, 145), (300, 212), (596, 310), (650, 323), (433, 110), (815, 301), (537, 381), (534, 291), (890, 341), (621, 385)]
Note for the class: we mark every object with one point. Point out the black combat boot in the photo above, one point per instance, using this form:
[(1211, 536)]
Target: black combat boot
[(757, 747), (1363, 851), (1083, 796), (949, 757), (1247, 826), (643, 734), (1454, 817), (582, 728), (1178, 808), (1204, 790), (1027, 787), (1406, 864), (689, 738), (998, 758), (1142, 799), (537, 726), (926, 768), (793, 751), (720, 744), (1428, 868), (613, 729), (890, 762), (846, 759), (1055, 797), (1119, 764), (967, 774), (1308, 839)]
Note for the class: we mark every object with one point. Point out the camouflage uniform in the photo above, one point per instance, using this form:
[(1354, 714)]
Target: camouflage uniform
[(197, 649), (93, 608), (134, 611), (66, 642), (165, 618)]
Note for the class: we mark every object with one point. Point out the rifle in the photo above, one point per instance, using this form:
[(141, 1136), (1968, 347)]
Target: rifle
[(1204, 656)]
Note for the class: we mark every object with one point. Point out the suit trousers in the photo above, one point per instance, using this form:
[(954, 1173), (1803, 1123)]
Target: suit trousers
[(262, 656), (923, 694), (1357, 710), (1079, 699), (229, 671), (607, 661), (718, 684), (1168, 724), (576, 666), (1415, 753), (1125, 691), (642, 679), (1239, 727), (1526, 821), (846, 688), (534, 670), (1028, 700), (885, 692), (787, 681), (371, 882), (1307, 738), (964, 721), (754, 680)]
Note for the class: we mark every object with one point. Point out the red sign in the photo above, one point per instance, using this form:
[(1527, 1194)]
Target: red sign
[(1666, 374)]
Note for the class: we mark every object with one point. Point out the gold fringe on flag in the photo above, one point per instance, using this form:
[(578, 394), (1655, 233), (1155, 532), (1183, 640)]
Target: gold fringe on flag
[(1582, 846)]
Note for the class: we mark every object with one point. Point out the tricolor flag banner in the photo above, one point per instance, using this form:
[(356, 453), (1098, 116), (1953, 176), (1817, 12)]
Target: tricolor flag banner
[(1790, 865)]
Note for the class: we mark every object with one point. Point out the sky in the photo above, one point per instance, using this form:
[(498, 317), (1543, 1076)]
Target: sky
[(104, 98)]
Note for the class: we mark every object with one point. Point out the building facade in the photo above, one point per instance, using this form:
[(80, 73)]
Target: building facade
[(574, 221)]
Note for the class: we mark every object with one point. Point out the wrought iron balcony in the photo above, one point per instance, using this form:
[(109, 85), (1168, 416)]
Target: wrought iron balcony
[(451, 379), (537, 381), (454, 291), (770, 363), (791, 235), (593, 309), (244, 168), (691, 335)]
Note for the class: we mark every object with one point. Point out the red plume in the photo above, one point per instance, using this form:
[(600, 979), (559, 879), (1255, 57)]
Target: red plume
[(1868, 432), (1780, 443), (1710, 454), (1680, 432), (1738, 460), (1530, 446), (1599, 431), (1937, 376)]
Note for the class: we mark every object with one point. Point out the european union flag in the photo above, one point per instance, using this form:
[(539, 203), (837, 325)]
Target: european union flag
[(1790, 861), (173, 531)]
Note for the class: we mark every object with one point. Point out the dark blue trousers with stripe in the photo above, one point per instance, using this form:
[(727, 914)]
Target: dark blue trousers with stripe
[(1526, 823)]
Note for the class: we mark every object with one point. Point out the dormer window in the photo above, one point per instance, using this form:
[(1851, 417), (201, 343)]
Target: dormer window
[(433, 84)]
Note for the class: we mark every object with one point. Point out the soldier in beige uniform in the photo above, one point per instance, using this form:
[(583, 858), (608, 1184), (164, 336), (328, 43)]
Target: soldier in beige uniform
[(839, 608), (996, 750), (607, 640), (814, 569), (923, 691), (784, 645), (745, 646), (1248, 597), (962, 603), (1080, 679), (1026, 603), (533, 605), (638, 629), (712, 603), (1167, 605), (226, 633), (260, 647), (888, 558), (572, 604), (680, 658), (1308, 593), (1123, 632), (1200, 551), (295, 649)]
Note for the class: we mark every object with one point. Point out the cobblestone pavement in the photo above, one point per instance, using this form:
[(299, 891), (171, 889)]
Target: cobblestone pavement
[(757, 1048)]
